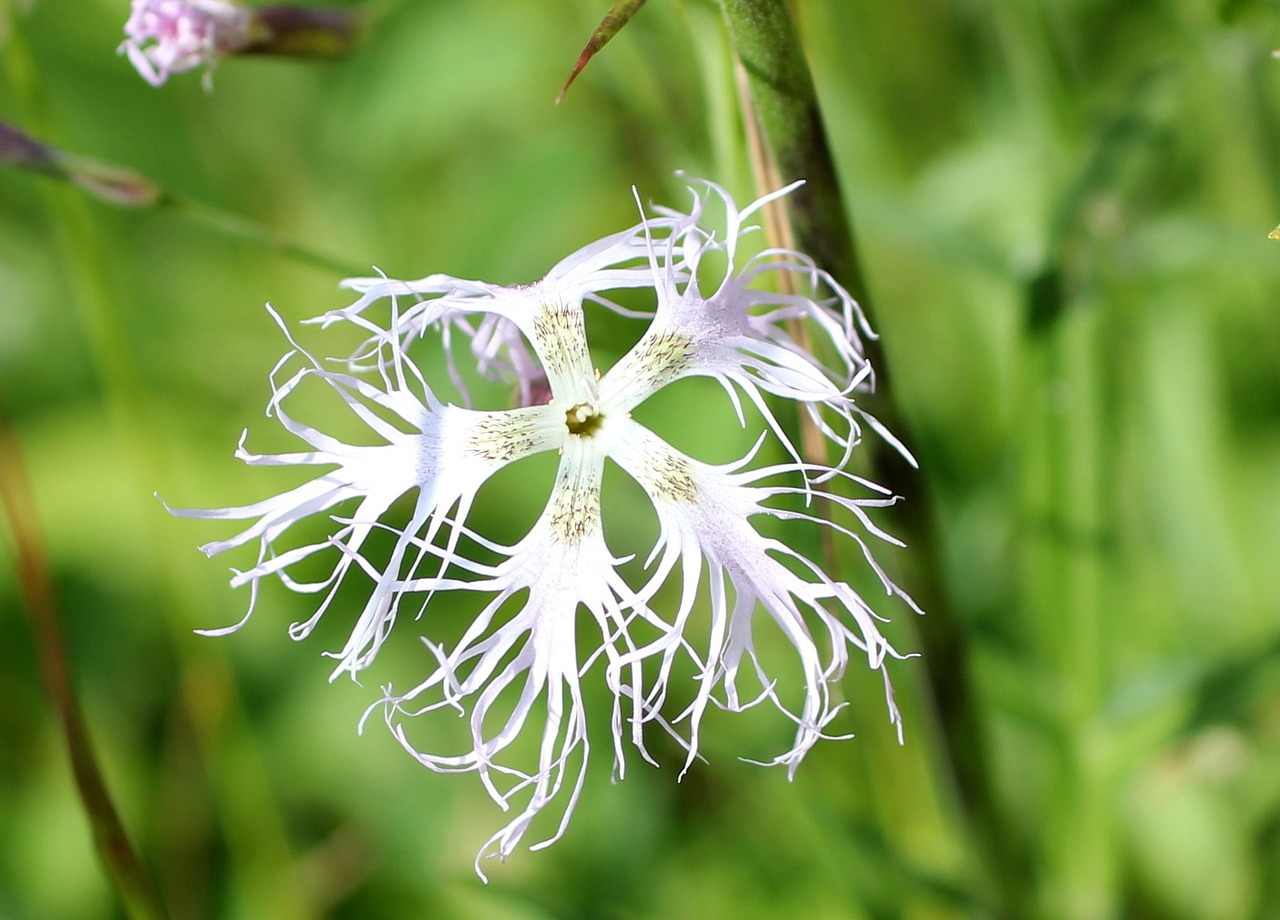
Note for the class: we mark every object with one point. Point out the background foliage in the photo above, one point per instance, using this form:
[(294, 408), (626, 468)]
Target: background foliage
[(1063, 209)]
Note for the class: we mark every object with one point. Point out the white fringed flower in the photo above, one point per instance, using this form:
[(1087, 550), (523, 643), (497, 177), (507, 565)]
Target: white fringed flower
[(173, 36), (510, 669)]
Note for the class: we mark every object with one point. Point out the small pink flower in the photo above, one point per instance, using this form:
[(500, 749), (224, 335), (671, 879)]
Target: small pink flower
[(173, 36)]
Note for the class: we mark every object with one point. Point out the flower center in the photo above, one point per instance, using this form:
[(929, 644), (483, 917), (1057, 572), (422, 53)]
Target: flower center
[(583, 420)]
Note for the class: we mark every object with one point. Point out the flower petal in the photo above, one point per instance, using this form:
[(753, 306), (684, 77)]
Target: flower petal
[(512, 317), (704, 517), (446, 454), (561, 565), (171, 36)]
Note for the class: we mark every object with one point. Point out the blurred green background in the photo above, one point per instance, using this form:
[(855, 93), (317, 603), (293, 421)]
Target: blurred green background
[(1064, 211)]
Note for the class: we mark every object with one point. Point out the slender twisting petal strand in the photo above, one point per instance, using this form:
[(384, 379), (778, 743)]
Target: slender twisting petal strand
[(559, 608)]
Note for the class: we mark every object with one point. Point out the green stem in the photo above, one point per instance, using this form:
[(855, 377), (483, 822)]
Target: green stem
[(786, 109), (236, 227), (119, 858), (121, 863), (127, 188)]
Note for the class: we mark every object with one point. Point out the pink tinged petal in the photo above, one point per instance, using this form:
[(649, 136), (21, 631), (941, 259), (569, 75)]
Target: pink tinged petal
[(165, 37), (740, 335), (704, 513), (501, 354), (721, 337)]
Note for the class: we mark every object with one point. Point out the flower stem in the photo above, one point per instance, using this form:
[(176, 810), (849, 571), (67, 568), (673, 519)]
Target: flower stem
[(785, 108), (119, 859), (307, 32), (233, 226)]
